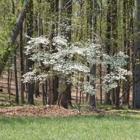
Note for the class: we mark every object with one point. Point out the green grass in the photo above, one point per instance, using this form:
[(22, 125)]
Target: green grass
[(70, 128)]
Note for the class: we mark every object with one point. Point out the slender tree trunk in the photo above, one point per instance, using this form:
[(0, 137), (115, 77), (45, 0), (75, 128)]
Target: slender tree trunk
[(114, 24), (21, 66), (100, 66), (125, 40), (16, 78), (132, 48), (40, 32), (30, 62), (108, 44), (127, 48), (53, 81), (15, 64), (8, 83), (91, 21)]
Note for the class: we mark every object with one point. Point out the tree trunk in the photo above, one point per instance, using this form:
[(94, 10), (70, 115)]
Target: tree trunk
[(136, 52), (30, 62), (114, 24), (53, 81), (111, 33), (15, 65), (91, 21), (92, 100), (108, 36), (127, 14), (16, 78), (100, 66), (51, 93), (65, 11), (21, 66)]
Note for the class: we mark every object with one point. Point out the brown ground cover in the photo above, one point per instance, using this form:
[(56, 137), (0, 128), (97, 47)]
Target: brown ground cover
[(51, 110)]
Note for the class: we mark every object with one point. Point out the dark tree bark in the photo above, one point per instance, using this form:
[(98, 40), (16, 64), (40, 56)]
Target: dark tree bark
[(29, 61), (125, 40), (92, 100), (21, 66), (128, 25), (53, 81), (100, 66), (114, 24), (65, 11), (91, 21), (136, 98), (111, 37), (108, 36), (40, 32), (15, 65), (8, 83), (51, 93), (16, 78)]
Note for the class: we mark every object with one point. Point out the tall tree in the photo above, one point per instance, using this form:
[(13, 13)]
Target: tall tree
[(29, 61), (65, 13), (53, 81), (100, 34), (128, 25), (21, 64), (114, 30), (136, 98), (92, 22), (108, 44), (40, 32)]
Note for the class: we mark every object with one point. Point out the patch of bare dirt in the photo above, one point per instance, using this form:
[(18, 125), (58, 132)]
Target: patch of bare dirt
[(51, 110)]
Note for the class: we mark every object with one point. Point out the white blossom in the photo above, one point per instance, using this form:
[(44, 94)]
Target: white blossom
[(74, 58)]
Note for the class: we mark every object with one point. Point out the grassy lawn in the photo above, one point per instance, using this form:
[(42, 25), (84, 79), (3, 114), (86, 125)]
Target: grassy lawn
[(70, 128)]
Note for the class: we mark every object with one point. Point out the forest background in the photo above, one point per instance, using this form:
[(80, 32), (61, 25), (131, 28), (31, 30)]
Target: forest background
[(114, 24)]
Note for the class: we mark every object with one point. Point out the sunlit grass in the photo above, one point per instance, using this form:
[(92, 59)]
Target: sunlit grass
[(70, 128)]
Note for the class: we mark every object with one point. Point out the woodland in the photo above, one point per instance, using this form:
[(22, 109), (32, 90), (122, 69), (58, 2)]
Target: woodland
[(70, 53)]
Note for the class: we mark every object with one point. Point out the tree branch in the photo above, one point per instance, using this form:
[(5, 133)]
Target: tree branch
[(132, 83), (14, 35)]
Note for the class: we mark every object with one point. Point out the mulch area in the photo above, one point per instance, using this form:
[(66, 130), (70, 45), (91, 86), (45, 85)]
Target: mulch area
[(49, 110)]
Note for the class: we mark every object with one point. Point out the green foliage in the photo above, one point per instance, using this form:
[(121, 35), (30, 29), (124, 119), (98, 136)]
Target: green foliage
[(22, 1), (7, 20)]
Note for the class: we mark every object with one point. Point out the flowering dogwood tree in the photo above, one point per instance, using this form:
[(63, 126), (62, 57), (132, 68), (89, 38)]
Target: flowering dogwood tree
[(68, 59)]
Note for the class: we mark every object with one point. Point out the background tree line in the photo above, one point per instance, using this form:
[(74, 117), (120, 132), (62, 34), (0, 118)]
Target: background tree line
[(115, 22)]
